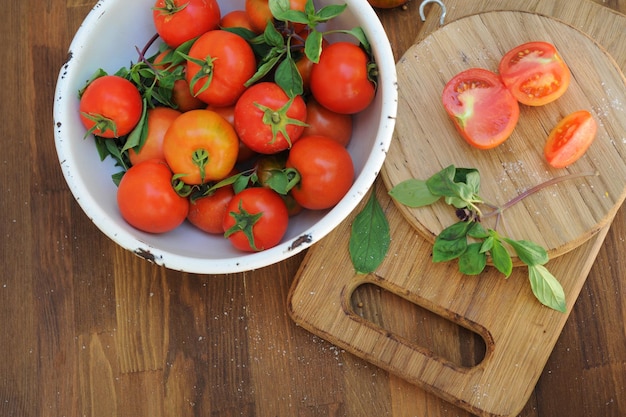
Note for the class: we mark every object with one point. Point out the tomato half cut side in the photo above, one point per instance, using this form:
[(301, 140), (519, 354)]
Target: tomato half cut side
[(535, 73), (570, 139), (483, 110)]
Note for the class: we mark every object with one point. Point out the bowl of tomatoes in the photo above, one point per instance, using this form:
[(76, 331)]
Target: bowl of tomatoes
[(151, 196)]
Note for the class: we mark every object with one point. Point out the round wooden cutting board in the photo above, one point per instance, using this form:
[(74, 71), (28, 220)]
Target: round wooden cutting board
[(560, 217)]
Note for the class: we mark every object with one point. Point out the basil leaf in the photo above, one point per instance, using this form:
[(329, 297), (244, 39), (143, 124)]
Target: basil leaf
[(442, 183), (529, 252), (472, 261), (288, 78), (328, 12), (413, 193), (547, 288), (477, 231), (369, 237), (461, 174), (313, 46), (451, 242), (501, 258)]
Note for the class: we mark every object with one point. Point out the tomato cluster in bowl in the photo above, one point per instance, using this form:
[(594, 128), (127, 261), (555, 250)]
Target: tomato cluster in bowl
[(287, 133)]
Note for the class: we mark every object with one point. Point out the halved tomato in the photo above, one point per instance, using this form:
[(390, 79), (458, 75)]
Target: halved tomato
[(570, 139), (481, 107), (535, 73)]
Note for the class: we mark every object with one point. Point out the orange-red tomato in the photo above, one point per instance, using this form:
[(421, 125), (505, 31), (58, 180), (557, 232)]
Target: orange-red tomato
[(535, 73), (201, 146), (110, 106), (256, 219), (236, 19), (340, 81), (230, 61), (323, 122), (147, 200), (483, 110), (326, 172), (207, 213), (159, 120), (570, 139), (178, 21)]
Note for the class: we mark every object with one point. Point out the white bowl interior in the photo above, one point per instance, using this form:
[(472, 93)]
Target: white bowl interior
[(107, 39)]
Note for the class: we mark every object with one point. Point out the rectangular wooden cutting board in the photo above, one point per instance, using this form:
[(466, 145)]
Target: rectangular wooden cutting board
[(518, 332)]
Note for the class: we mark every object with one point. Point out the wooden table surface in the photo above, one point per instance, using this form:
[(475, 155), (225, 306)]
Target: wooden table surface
[(88, 329)]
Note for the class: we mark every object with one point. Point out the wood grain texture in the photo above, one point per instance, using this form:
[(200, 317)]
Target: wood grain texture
[(87, 329)]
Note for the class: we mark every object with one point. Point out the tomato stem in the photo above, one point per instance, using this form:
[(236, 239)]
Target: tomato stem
[(498, 211), (200, 158)]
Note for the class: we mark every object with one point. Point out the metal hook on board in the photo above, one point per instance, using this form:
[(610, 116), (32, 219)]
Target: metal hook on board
[(440, 3)]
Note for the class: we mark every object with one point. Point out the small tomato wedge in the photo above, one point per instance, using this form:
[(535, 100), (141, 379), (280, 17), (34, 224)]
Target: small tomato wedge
[(535, 73), (482, 109), (570, 139)]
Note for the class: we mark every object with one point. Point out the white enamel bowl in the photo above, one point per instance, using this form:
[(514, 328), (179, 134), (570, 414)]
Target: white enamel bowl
[(107, 39)]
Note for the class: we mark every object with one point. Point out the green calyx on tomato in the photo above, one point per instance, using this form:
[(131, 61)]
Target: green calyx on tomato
[(244, 222), (170, 7), (206, 72), (278, 120)]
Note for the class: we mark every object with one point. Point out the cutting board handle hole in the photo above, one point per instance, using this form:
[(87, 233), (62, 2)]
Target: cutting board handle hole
[(418, 326)]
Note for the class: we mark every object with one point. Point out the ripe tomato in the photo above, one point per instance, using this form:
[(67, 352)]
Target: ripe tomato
[(201, 146), (256, 219), (326, 171), (110, 106), (386, 4), (159, 120), (482, 109), (570, 139), (267, 120), (535, 73), (147, 200), (220, 63), (342, 79), (323, 122), (207, 213), (178, 21), (236, 19)]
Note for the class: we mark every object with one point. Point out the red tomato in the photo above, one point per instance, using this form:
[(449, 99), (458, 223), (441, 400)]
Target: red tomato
[(386, 4), (256, 219), (570, 139), (326, 171), (341, 80), (266, 120), (535, 73), (178, 21), (147, 200), (230, 62), (323, 122), (201, 146), (259, 14), (159, 120), (236, 19), (110, 106), (482, 109), (207, 213)]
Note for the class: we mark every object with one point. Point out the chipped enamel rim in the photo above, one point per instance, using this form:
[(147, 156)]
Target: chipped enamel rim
[(107, 39)]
